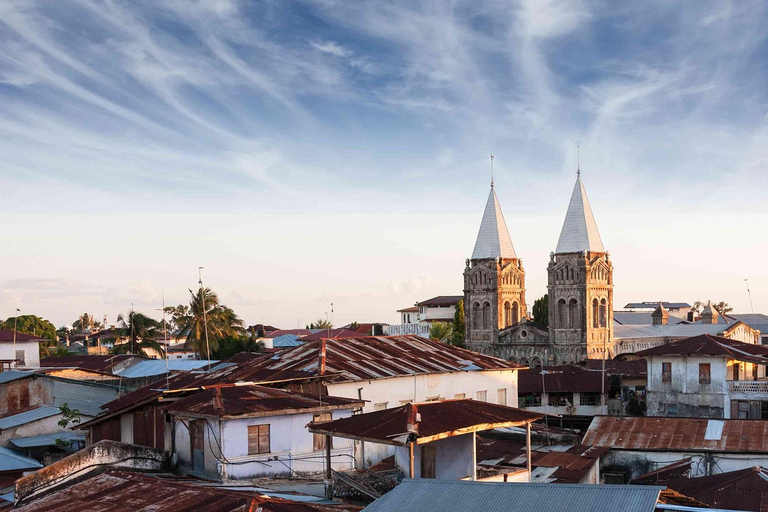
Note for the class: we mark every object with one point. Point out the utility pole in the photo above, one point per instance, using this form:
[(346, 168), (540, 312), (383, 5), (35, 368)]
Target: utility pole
[(205, 318), (165, 337), (15, 323)]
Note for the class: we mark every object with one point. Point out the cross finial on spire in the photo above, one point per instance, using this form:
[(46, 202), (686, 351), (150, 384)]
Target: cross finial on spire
[(578, 159), (491, 171)]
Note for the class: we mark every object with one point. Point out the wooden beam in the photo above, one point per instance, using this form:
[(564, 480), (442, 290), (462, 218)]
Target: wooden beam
[(528, 448), (410, 450)]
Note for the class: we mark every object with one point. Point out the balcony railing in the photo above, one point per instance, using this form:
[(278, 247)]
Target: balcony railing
[(748, 386)]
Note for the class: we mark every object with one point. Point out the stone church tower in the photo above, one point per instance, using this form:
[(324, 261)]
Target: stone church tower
[(580, 287), (494, 282)]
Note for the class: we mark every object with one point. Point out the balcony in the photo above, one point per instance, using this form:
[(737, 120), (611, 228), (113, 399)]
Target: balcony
[(748, 386)]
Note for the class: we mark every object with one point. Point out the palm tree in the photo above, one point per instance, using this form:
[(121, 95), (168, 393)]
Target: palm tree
[(221, 320), (140, 330)]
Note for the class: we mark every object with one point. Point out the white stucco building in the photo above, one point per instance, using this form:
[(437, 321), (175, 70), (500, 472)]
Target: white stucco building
[(23, 349), (707, 377), (243, 432)]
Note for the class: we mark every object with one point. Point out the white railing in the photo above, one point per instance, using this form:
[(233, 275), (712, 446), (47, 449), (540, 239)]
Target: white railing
[(748, 386), (403, 329)]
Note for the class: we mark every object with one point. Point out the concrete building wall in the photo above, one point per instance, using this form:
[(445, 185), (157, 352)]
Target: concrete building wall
[(291, 448), (394, 392), (30, 352), (126, 427), (39, 427), (638, 462), (454, 458)]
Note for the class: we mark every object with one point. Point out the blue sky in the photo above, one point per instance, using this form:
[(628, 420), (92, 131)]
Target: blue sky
[(346, 144)]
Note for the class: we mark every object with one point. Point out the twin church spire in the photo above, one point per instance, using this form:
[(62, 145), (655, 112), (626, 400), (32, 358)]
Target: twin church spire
[(580, 287)]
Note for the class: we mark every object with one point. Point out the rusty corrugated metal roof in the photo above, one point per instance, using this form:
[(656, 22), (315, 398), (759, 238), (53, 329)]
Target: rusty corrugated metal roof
[(121, 491), (98, 363), (422, 421), (677, 434), (560, 379), (253, 400), (711, 346), (746, 489), (375, 357)]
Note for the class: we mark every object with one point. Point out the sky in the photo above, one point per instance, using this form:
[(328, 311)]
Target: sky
[(316, 152)]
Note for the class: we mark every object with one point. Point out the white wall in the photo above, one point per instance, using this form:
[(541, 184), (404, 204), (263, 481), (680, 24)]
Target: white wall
[(126, 427), (39, 427), (638, 461), (454, 458), (31, 352), (398, 390), (685, 390), (576, 409), (291, 447)]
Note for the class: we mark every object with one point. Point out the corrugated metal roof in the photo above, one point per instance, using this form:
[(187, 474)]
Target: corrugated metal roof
[(86, 397), (659, 331), (493, 240), (708, 345), (676, 434), (14, 461), (441, 300), (27, 416), (640, 318), (47, 439), (255, 400), (562, 378), (7, 335), (98, 363), (579, 231), (152, 367), (419, 422), (11, 375), (654, 304), (745, 489), (426, 495), (120, 491), (286, 340), (376, 357)]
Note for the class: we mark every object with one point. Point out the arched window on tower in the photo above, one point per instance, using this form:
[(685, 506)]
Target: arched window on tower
[(595, 313), (571, 274), (562, 314), (487, 316), (515, 313), (603, 313), (477, 316), (573, 314), (507, 315)]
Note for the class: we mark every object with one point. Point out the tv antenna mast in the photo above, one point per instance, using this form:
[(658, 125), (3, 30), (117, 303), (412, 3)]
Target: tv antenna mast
[(752, 307)]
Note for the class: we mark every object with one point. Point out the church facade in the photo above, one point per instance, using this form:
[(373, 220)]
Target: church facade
[(580, 288)]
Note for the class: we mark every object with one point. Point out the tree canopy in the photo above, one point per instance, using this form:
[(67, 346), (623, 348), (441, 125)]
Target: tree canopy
[(141, 332), (541, 310), (31, 324), (221, 321), (441, 331), (321, 323), (459, 325)]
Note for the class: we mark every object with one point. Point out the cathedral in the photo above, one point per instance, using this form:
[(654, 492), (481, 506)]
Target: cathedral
[(580, 288)]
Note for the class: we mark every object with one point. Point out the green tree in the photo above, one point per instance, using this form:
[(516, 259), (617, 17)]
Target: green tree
[(31, 324), (140, 331), (541, 310), (175, 316), (68, 415), (440, 331), (722, 307), (321, 323), (459, 325), (220, 319), (55, 351), (231, 345), (85, 322)]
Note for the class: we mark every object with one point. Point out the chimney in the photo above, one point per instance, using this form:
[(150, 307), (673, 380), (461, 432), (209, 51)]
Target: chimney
[(321, 365)]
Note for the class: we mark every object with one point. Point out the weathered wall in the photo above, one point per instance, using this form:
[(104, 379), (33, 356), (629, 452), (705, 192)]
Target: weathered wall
[(454, 458), (685, 391), (640, 462), (291, 448)]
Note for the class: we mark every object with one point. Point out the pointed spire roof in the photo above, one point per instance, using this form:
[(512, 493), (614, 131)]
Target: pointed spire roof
[(493, 239), (579, 231)]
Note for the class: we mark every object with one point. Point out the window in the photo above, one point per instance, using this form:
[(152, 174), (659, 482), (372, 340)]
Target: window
[(705, 376), (573, 314), (507, 315), (380, 406), (532, 400), (595, 313), (560, 399), (764, 410), (482, 396), (562, 313), (258, 439), (671, 409), (743, 410), (666, 372), (736, 370), (704, 411), (603, 313), (589, 398), (459, 396), (318, 440), (487, 316), (502, 396), (20, 358), (477, 314), (427, 461), (515, 313)]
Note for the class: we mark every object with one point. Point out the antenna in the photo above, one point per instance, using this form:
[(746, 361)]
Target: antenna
[(491, 171), (750, 297), (205, 318), (165, 338), (578, 159)]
